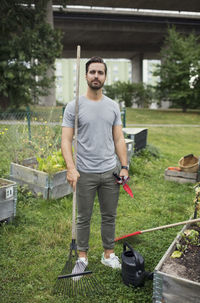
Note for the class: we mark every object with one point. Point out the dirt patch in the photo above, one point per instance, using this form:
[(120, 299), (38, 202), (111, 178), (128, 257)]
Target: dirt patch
[(188, 266)]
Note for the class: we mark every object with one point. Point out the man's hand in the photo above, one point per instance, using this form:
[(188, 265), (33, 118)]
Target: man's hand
[(72, 177), (123, 173)]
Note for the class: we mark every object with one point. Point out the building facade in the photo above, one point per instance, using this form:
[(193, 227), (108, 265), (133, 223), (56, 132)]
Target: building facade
[(118, 70)]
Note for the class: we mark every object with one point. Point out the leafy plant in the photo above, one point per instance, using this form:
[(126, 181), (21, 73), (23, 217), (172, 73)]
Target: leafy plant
[(140, 93), (29, 47), (141, 158), (180, 70), (189, 237), (52, 163)]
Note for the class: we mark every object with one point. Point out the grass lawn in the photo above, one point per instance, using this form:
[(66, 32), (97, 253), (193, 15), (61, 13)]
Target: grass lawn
[(146, 116), (34, 248)]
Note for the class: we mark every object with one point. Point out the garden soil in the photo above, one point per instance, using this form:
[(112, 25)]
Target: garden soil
[(188, 266)]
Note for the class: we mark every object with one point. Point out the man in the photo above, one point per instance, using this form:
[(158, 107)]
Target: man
[(100, 136)]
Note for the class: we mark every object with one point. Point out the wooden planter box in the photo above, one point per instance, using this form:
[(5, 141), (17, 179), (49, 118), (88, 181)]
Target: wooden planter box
[(181, 176), (49, 186), (168, 288), (8, 199)]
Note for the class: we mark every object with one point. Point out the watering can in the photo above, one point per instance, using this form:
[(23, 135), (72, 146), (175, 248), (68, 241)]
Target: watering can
[(133, 272)]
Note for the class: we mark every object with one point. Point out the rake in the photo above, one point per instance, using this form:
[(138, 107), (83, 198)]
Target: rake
[(81, 281), (157, 228)]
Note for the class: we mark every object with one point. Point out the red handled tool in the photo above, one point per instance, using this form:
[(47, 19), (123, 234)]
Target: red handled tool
[(157, 228), (123, 181)]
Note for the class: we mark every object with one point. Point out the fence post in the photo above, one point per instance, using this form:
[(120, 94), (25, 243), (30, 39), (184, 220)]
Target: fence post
[(28, 114), (124, 116)]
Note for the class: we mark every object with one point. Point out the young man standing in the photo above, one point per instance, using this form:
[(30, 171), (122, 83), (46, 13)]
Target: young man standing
[(100, 138)]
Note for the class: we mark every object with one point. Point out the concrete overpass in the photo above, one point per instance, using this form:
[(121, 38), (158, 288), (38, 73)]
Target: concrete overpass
[(111, 33), (128, 32), (171, 5)]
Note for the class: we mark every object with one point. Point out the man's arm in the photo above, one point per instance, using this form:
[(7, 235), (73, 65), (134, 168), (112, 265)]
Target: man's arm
[(66, 147), (120, 148)]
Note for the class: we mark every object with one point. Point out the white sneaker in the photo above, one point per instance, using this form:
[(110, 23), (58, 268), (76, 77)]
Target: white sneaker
[(79, 268), (113, 261)]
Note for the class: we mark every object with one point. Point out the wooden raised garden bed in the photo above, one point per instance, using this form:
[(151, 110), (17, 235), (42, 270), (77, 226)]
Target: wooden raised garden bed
[(174, 280), (50, 186), (8, 199), (181, 176)]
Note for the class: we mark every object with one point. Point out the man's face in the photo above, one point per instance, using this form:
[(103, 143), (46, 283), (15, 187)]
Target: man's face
[(96, 76)]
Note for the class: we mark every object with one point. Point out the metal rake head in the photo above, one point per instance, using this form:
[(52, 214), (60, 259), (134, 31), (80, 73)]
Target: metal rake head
[(72, 283)]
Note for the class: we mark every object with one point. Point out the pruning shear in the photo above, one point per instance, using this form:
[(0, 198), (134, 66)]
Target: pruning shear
[(123, 181)]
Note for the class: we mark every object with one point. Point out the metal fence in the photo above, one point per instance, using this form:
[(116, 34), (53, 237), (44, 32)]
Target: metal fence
[(42, 116)]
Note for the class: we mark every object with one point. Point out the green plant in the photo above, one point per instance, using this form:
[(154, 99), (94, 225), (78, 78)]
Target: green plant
[(140, 93), (16, 146), (180, 70), (52, 163), (141, 158), (29, 47), (189, 237)]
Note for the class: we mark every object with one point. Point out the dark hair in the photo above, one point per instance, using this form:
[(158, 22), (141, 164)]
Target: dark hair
[(95, 60)]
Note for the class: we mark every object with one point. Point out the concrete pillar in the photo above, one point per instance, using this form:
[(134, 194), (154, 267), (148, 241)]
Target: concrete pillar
[(137, 68), (49, 100)]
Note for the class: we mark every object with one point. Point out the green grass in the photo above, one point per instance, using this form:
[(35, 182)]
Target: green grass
[(35, 246), (146, 116)]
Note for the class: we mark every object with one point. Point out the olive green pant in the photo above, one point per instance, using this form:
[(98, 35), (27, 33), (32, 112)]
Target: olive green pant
[(105, 186)]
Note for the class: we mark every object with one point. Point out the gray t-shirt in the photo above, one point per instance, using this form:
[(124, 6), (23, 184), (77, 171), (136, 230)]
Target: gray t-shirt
[(95, 150)]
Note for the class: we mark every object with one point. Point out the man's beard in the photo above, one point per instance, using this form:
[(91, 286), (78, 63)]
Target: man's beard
[(95, 87)]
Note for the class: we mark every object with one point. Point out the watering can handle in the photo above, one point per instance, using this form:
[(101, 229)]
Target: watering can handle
[(132, 250)]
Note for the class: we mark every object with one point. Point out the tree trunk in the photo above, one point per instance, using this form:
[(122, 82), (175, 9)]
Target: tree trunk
[(4, 102), (49, 100)]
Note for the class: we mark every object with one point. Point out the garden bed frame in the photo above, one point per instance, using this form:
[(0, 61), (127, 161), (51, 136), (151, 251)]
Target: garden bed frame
[(8, 199), (50, 186), (170, 288)]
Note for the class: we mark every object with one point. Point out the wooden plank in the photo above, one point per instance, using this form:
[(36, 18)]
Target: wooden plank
[(60, 191), (8, 199), (6, 209), (28, 175), (58, 178), (177, 290), (180, 180), (34, 188), (182, 174)]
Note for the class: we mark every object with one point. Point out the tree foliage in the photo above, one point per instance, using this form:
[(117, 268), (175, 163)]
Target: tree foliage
[(28, 48), (138, 93), (179, 71)]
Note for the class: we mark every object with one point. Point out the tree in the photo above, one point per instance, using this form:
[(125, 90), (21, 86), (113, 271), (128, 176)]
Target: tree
[(28, 49), (122, 91), (130, 93), (179, 71)]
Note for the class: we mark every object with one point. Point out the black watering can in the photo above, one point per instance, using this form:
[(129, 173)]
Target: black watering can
[(133, 272)]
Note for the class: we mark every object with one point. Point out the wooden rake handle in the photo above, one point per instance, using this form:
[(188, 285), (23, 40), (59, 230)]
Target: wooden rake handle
[(157, 228), (75, 137)]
